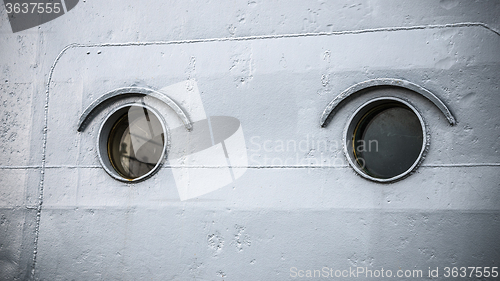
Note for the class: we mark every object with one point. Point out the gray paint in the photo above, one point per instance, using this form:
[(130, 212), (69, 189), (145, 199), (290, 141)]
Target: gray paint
[(274, 66)]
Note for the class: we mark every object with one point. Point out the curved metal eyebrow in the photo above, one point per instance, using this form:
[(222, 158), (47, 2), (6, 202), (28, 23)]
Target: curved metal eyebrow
[(89, 112), (330, 108)]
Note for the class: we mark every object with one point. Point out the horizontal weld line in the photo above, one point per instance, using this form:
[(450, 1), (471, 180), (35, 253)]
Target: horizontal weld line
[(173, 202), (20, 167), (342, 166), (293, 35), (75, 167), (255, 167), (248, 167), (18, 207), (462, 165)]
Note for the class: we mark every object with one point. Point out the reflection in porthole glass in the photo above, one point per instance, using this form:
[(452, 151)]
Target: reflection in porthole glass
[(132, 142), (135, 143), (386, 139)]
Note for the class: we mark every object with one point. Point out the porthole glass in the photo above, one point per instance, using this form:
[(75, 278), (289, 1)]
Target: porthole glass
[(132, 142), (385, 139)]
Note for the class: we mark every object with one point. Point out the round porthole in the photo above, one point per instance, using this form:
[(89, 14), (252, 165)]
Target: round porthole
[(385, 139), (132, 142)]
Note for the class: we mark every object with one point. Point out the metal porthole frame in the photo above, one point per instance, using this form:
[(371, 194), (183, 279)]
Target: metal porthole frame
[(356, 118), (103, 135)]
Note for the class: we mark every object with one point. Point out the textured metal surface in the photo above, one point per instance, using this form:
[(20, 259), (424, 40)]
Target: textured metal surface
[(273, 65)]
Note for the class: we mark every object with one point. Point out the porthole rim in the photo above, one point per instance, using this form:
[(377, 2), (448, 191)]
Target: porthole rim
[(366, 106), (106, 164)]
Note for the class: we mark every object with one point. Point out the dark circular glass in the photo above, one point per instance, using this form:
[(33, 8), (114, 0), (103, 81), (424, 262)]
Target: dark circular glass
[(136, 143), (387, 140)]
